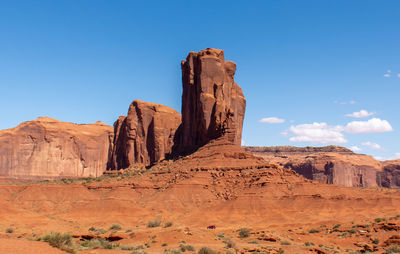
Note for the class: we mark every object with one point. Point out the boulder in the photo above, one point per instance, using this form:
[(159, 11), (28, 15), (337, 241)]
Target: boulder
[(49, 148), (146, 135), (213, 105)]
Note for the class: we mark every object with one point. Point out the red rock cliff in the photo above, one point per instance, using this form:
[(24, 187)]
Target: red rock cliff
[(145, 136), (46, 147), (213, 105)]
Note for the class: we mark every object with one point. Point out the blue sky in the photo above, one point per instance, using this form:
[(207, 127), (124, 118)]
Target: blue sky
[(309, 63)]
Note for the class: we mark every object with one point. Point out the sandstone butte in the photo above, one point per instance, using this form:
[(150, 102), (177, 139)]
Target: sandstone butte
[(145, 135), (213, 105), (46, 147)]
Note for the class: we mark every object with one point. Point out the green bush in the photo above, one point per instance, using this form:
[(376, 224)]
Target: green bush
[(375, 241), (115, 227), (337, 226), (285, 243), (244, 232), (309, 244), (186, 247), (206, 250), (154, 223), (377, 220), (9, 230), (229, 243), (62, 241), (168, 224), (313, 231), (97, 243)]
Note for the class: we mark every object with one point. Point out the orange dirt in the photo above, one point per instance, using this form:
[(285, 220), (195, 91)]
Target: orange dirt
[(277, 205)]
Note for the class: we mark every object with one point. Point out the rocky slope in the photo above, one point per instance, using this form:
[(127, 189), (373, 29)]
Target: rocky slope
[(145, 136), (333, 165), (46, 147)]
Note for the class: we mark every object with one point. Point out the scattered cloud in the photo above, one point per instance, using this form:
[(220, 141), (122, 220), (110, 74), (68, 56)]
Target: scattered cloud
[(317, 133), (387, 75), (389, 71), (272, 120), (355, 149), (372, 145), (344, 102), (371, 126), (285, 133), (398, 75), (397, 155), (360, 114)]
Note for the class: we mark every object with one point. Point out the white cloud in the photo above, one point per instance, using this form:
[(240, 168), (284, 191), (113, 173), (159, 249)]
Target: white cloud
[(371, 126), (319, 133), (372, 145), (398, 75), (355, 149), (387, 75), (389, 71), (397, 155), (243, 142), (272, 120), (344, 102), (361, 114)]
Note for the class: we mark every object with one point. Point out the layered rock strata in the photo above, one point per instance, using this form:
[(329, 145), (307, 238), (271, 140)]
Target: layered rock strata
[(213, 105), (146, 135), (46, 147)]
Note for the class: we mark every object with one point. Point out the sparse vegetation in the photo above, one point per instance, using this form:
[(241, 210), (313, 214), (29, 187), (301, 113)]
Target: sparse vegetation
[(375, 241), (62, 241), (229, 243), (115, 227), (186, 247), (377, 220), (285, 243), (206, 250), (168, 224), (154, 223), (97, 243), (9, 230), (164, 244), (393, 249), (281, 251), (253, 242), (309, 244), (172, 252), (244, 232), (352, 231), (336, 226), (138, 252), (313, 231)]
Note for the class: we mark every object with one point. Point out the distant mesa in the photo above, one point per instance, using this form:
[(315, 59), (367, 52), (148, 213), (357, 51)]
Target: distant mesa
[(46, 147)]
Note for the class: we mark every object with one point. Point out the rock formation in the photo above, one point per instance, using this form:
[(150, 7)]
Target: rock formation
[(390, 175), (213, 105), (145, 136), (331, 164), (46, 147)]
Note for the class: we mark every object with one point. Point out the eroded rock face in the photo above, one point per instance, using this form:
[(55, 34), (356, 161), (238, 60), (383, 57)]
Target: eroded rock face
[(213, 105), (145, 135), (389, 177), (331, 164), (46, 147)]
